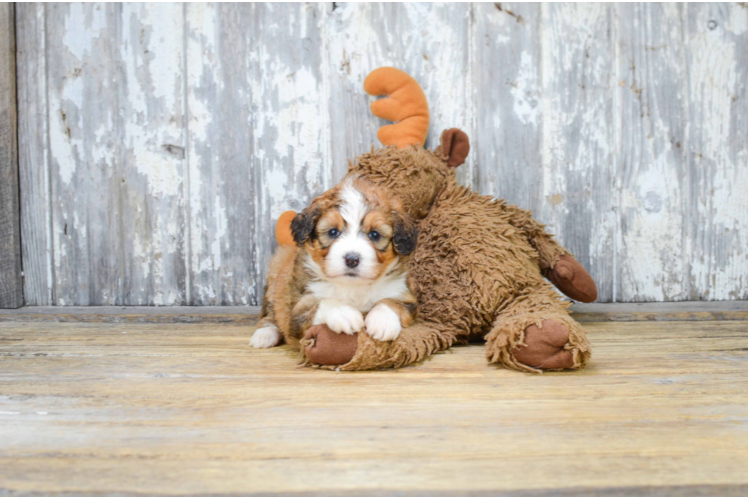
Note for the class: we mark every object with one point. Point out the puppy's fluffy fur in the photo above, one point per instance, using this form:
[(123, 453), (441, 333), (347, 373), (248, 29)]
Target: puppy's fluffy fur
[(350, 259)]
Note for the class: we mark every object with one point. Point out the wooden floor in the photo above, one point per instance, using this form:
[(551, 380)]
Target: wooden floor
[(89, 408)]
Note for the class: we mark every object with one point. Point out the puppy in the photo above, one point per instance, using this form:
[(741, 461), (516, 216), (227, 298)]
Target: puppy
[(350, 259)]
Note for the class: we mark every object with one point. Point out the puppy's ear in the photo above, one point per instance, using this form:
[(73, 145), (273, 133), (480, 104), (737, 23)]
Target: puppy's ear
[(405, 233), (302, 226)]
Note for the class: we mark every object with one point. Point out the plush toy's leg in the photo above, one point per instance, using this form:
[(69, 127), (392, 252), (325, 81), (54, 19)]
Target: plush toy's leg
[(535, 333), (325, 348), (573, 279), (554, 260)]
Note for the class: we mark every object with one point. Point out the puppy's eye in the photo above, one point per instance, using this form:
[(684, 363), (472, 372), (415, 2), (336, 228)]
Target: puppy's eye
[(374, 236), (333, 233)]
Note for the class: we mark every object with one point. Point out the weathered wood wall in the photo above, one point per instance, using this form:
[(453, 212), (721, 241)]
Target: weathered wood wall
[(11, 280), (159, 143)]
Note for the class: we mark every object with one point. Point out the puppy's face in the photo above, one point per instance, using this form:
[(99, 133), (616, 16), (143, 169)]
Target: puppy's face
[(353, 232)]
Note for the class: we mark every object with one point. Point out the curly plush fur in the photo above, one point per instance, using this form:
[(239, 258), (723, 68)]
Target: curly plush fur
[(478, 272)]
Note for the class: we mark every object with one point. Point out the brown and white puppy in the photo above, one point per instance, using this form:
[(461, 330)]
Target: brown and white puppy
[(351, 257)]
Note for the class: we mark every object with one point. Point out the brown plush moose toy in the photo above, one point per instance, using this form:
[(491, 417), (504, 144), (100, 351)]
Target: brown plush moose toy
[(479, 264)]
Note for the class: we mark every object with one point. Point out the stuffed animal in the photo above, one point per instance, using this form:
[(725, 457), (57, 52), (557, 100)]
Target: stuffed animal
[(479, 265)]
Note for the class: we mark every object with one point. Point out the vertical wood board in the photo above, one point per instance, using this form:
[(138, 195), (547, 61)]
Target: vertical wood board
[(716, 38), (651, 89), (509, 92), (33, 154), (151, 184), (256, 143), (11, 281)]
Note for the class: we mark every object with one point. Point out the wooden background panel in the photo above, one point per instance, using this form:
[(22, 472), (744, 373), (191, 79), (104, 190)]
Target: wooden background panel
[(652, 96), (160, 143), (85, 147), (717, 61), (509, 89), (219, 152), (257, 147), (11, 286), (33, 152), (151, 114), (578, 141)]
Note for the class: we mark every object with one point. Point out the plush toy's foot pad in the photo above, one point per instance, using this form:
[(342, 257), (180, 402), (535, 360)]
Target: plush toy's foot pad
[(329, 348), (544, 347), (573, 280)]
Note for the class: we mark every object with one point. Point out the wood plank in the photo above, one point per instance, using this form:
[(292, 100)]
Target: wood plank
[(420, 39), (651, 92), (85, 140), (33, 155), (119, 314), (11, 281), (662, 311), (152, 167), (509, 88), (256, 145), (717, 61), (221, 184), (644, 311), (190, 409), (578, 136), (115, 129)]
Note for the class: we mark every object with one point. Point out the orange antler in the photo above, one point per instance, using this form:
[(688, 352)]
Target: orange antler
[(406, 105)]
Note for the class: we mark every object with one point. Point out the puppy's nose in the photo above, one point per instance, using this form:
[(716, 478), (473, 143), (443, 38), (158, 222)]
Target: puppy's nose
[(352, 259)]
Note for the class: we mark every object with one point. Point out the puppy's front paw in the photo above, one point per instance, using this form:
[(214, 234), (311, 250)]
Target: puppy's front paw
[(268, 336), (382, 323), (345, 319)]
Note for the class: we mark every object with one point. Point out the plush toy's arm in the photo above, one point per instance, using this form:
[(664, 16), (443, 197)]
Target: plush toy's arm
[(556, 262), (548, 249)]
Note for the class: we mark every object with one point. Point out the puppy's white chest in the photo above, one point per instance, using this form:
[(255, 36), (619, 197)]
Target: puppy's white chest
[(360, 297)]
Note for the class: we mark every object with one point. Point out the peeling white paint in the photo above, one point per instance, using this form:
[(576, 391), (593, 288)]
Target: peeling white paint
[(84, 26), (738, 21), (526, 101), (154, 79)]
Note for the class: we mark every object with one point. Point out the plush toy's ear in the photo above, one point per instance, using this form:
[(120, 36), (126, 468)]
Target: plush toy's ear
[(455, 146), (405, 105), (303, 224), (405, 233), (283, 228)]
